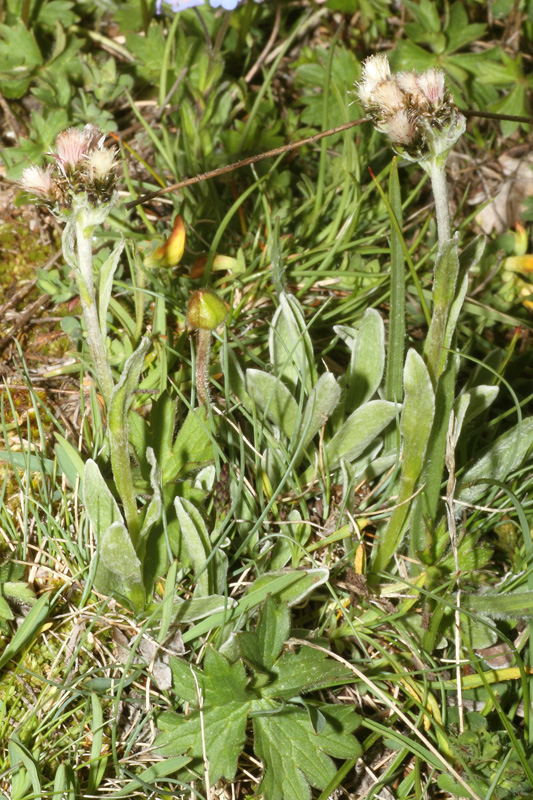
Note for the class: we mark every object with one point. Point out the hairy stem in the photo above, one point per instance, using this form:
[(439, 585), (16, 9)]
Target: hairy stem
[(203, 341)]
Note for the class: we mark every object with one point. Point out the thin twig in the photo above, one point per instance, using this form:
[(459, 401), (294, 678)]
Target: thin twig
[(287, 148), (277, 151)]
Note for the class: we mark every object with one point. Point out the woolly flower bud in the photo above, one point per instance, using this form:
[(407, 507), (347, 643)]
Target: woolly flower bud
[(433, 86), (401, 128), (375, 69), (100, 164), (408, 83), (388, 97), (71, 146), (37, 181)]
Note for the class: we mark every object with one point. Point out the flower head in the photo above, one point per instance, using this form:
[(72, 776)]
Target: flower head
[(401, 128), (375, 69), (100, 164), (432, 84), (414, 109), (37, 181), (82, 166)]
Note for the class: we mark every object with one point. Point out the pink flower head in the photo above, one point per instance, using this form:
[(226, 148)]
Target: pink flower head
[(37, 181), (432, 84), (71, 146)]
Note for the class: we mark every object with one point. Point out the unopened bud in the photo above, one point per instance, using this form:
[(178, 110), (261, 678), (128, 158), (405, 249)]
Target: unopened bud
[(170, 253), (206, 310)]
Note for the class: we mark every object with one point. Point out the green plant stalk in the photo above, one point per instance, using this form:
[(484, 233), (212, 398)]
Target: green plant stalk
[(395, 355), (84, 273), (424, 507), (121, 466), (445, 273), (117, 426)]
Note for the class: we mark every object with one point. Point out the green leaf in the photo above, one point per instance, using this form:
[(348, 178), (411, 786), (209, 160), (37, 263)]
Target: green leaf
[(153, 512), (274, 399), (19, 58), (415, 428), (294, 756), (514, 605), (105, 285), (479, 399), (396, 339), (5, 611), (426, 14), (360, 430), (367, 360), (193, 445), (459, 31), (28, 630), (262, 647), (162, 424), (210, 579), (122, 395), (69, 459), (305, 671), (148, 776), (226, 704), (506, 453), (118, 557), (291, 351), (200, 607), (100, 505), (322, 402), (19, 591), (25, 772), (24, 461), (294, 586), (417, 415)]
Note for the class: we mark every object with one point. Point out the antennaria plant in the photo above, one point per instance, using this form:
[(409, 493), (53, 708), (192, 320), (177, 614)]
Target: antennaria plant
[(417, 112)]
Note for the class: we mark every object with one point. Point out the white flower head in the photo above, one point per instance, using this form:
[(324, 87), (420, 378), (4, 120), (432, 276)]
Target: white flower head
[(388, 97), (100, 164), (401, 128), (408, 83), (375, 69), (37, 181)]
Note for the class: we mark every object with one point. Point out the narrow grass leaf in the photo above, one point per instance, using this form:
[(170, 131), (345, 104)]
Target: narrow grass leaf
[(396, 344), (25, 768), (27, 630), (98, 762), (147, 777)]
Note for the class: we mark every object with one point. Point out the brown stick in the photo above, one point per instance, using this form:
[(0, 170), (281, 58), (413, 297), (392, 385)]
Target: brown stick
[(287, 148)]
